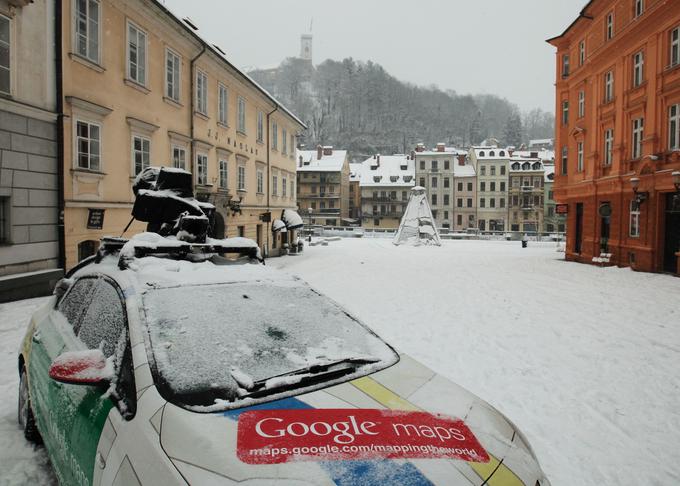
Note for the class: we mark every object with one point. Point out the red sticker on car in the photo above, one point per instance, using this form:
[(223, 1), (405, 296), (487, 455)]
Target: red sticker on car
[(276, 436)]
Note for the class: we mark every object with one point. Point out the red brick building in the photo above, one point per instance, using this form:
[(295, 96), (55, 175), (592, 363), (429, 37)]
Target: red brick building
[(617, 162)]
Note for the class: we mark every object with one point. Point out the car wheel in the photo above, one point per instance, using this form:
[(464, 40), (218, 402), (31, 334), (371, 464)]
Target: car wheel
[(26, 418)]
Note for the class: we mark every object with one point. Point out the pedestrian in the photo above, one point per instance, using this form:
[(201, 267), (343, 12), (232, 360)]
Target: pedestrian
[(525, 240)]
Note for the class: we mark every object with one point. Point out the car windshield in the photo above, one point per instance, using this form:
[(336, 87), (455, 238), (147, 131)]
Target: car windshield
[(225, 346)]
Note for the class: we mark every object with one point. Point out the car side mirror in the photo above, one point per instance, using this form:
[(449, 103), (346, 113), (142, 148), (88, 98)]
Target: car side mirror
[(88, 367), (62, 286)]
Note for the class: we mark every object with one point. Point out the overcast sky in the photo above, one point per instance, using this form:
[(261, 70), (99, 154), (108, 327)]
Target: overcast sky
[(480, 46)]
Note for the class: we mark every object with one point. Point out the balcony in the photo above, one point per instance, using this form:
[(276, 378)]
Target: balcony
[(325, 212), (321, 195)]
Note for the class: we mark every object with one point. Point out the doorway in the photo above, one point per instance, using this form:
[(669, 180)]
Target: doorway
[(578, 234), (671, 232)]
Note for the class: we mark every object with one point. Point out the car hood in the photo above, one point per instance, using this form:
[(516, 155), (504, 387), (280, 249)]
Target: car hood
[(402, 425)]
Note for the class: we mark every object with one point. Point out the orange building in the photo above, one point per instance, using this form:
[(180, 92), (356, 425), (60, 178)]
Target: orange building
[(617, 164)]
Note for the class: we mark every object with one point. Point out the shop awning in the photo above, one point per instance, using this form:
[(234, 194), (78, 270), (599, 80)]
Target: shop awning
[(279, 226), (291, 219)]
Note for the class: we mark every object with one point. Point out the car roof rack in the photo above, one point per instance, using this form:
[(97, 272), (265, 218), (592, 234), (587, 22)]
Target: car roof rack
[(185, 250)]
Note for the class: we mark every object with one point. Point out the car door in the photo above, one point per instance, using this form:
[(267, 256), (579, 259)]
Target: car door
[(103, 326), (52, 335)]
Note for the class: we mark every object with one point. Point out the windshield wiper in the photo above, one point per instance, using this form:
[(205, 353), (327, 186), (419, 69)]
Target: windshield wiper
[(311, 374)]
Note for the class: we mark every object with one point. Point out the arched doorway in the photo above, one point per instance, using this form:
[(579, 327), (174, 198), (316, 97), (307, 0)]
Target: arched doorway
[(219, 229)]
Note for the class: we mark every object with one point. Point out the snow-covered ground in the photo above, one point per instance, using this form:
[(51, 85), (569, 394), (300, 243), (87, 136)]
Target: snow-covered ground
[(583, 359)]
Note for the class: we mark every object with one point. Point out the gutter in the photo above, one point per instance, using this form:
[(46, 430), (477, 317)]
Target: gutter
[(192, 103), (269, 178), (58, 61)]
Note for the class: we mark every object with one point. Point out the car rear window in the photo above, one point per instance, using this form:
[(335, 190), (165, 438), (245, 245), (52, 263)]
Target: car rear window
[(211, 343)]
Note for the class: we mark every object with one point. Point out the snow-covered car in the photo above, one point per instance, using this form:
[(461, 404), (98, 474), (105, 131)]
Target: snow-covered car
[(158, 362)]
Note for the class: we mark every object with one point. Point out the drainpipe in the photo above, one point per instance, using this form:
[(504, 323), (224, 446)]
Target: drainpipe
[(192, 104), (269, 178), (58, 14)]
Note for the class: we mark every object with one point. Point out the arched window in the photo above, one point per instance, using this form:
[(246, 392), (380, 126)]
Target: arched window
[(525, 166), (481, 154), (515, 166), (502, 153), (537, 166), (492, 154)]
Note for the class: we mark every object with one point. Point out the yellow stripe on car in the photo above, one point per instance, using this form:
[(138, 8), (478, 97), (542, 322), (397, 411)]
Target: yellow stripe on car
[(383, 395)]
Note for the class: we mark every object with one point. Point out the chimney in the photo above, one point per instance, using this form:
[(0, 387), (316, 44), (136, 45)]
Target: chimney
[(413, 155), (319, 152), (301, 161), (420, 147), (461, 159), (441, 147), (373, 156), (328, 150), (377, 158)]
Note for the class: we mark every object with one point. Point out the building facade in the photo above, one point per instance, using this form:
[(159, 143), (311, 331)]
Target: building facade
[(30, 253), (526, 195), (141, 87), (355, 191), (491, 166), (618, 132), (386, 182), (435, 172), (323, 186)]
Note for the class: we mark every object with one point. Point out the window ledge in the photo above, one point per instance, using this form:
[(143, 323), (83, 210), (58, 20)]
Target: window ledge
[(88, 172), (202, 116), (260, 193), (86, 62), (222, 125), (241, 190), (134, 84), (241, 132), (172, 102), (203, 186)]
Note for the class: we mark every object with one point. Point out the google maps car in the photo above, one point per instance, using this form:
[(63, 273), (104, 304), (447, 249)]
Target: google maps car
[(158, 362)]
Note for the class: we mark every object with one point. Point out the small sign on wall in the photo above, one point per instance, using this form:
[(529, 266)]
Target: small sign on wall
[(95, 218), (561, 208)]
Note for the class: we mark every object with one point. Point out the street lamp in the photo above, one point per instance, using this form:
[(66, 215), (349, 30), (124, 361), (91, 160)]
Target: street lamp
[(676, 179), (640, 197), (309, 213)]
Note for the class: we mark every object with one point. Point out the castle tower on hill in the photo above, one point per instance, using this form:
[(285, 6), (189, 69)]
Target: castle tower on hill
[(306, 47)]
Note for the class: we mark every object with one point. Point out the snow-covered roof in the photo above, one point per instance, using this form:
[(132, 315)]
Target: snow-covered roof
[(525, 164), (327, 163), (541, 141), (355, 170), (545, 155), (466, 170), (447, 151), (549, 173), (388, 170)]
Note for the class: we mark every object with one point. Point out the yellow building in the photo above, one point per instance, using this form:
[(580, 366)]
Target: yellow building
[(323, 185), (140, 87)]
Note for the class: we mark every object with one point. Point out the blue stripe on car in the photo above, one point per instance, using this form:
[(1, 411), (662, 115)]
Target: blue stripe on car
[(349, 473)]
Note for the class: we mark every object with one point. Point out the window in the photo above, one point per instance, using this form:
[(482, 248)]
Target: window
[(275, 185), (260, 126), (638, 68), (482, 186), (482, 203), (459, 202), (224, 167), (502, 201), (141, 148), (565, 65), (275, 136), (172, 72), (447, 165), (435, 165), (634, 227), (434, 182), (260, 182), (502, 186), (639, 7), (638, 128), (446, 200), (608, 86), (608, 146), (284, 141), (482, 170), (88, 145), (201, 92), (422, 182), (609, 26), (502, 170), (446, 215), (87, 14), (136, 54), (434, 199), (201, 169), (674, 127), (493, 170), (492, 202), (284, 183), (447, 182), (675, 47), (579, 157), (469, 186), (422, 165), (241, 178), (582, 53), (179, 157), (104, 319), (222, 104), (469, 202), (581, 104), (493, 187), (5, 78), (292, 144), (459, 219), (241, 115), (292, 189), (460, 187), (564, 160)]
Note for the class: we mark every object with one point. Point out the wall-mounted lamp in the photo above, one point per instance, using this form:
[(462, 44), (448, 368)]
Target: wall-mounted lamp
[(676, 179), (640, 197)]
